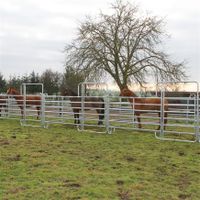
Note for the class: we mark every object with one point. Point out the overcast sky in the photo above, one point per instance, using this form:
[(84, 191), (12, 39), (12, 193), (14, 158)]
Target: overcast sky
[(33, 33)]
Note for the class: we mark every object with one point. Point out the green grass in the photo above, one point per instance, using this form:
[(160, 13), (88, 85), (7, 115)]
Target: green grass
[(62, 163)]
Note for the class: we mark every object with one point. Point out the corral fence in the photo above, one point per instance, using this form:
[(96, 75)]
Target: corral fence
[(180, 112)]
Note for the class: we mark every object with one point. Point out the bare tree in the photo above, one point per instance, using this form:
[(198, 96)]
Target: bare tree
[(126, 45)]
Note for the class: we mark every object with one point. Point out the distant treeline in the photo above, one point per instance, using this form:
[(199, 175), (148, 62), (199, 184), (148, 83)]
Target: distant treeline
[(53, 82)]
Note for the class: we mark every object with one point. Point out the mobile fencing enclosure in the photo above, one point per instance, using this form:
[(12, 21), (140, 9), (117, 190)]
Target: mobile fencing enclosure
[(170, 118)]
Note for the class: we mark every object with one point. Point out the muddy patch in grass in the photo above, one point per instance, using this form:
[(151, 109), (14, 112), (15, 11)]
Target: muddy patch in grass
[(181, 153), (183, 182), (184, 196), (198, 153), (124, 194), (130, 158), (119, 182), (74, 185), (16, 190), (71, 184), (4, 142), (14, 158)]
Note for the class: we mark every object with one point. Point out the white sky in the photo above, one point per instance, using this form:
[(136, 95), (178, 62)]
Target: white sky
[(33, 33)]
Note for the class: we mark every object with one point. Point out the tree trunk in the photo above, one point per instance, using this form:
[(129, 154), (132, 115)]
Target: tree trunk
[(121, 85)]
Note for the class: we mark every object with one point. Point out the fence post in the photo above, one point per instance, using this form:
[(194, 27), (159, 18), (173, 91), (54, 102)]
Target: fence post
[(42, 110), (197, 115), (62, 108), (82, 107), (23, 120), (162, 113), (188, 109), (107, 114), (24, 105), (8, 106), (133, 112)]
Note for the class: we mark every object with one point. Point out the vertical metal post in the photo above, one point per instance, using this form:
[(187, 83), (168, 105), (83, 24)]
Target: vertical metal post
[(24, 104), (82, 119), (156, 90), (42, 112), (133, 111), (79, 89), (120, 106), (42, 86), (162, 111), (197, 115), (188, 109), (21, 88), (107, 115), (194, 107), (62, 108), (8, 106)]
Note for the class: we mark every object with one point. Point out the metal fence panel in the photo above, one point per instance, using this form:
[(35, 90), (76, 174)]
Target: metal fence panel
[(181, 114)]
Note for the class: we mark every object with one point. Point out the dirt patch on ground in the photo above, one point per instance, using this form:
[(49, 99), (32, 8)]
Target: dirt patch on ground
[(119, 182), (130, 158), (16, 190), (14, 158), (184, 196), (124, 194), (181, 153), (74, 185), (183, 182), (71, 184), (4, 142)]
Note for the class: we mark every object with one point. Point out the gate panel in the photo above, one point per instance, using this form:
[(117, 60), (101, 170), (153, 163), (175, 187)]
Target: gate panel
[(182, 115), (141, 113), (32, 106)]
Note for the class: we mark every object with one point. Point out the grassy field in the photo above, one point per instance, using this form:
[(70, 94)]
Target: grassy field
[(62, 163)]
